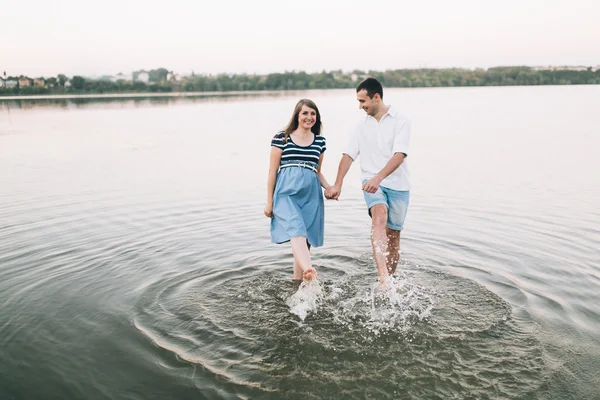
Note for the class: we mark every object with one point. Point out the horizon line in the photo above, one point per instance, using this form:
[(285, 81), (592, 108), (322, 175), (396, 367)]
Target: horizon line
[(192, 73)]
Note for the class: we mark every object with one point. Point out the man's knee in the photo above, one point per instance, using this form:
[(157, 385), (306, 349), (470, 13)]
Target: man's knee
[(379, 215)]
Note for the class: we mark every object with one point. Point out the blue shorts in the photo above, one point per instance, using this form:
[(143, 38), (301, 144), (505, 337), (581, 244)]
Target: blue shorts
[(396, 202)]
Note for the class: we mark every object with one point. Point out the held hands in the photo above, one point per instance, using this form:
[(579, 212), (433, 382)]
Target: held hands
[(333, 192), (269, 210), (372, 185)]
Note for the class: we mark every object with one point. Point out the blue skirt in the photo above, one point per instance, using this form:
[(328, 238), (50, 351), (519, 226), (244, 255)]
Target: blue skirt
[(298, 207)]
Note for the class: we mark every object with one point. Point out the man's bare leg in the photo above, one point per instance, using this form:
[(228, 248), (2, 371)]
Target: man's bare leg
[(379, 239), (393, 256)]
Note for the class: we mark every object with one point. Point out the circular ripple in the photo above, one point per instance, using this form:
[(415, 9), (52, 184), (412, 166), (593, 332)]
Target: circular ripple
[(437, 336)]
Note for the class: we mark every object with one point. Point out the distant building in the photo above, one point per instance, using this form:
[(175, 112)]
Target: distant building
[(563, 68), (569, 68), (68, 83), (39, 82), (2, 84), (24, 81), (122, 77), (143, 77), (11, 84)]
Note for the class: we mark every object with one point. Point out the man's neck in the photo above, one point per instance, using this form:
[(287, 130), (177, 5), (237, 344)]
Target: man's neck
[(382, 111)]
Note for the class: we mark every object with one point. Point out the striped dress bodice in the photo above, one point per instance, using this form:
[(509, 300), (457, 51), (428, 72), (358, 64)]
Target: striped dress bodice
[(293, 153)]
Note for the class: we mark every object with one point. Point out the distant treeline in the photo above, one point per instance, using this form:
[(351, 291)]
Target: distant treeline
[(500, 76)]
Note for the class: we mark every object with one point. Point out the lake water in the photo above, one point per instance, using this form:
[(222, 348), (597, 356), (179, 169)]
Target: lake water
[(135, 260)]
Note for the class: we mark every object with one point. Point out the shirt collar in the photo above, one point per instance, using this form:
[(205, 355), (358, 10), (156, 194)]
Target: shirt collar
[(391, 111)]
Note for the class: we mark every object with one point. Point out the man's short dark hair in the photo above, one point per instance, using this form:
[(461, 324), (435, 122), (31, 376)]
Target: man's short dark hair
[(372, 86)]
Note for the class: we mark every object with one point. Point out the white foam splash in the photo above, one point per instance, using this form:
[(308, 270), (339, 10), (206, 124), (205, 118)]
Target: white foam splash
[(306, 299), (394, 305)]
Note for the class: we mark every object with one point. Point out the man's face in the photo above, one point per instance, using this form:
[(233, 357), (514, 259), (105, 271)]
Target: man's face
[(369, 105)]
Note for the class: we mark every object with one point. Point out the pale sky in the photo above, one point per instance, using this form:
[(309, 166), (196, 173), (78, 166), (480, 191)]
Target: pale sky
[(79, 37)]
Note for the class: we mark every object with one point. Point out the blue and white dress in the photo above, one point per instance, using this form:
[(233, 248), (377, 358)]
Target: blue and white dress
[(298, 206)]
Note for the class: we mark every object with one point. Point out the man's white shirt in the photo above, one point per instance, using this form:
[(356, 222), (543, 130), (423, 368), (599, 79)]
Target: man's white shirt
[(376, 142)]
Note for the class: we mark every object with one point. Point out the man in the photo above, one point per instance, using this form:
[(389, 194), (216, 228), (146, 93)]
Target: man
[(381, 139)]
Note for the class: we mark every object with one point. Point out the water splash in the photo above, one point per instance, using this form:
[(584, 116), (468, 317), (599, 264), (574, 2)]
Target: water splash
[(347, 328), (306, 299), (395, 305)]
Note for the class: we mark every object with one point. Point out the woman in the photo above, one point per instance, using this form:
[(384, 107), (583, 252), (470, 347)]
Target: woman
[(294, 195)]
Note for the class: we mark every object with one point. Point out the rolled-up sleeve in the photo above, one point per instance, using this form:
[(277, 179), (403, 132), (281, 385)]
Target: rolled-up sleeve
[(402, 137), (352, 147)]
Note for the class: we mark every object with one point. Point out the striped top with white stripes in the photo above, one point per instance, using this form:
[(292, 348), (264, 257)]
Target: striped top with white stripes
[(293, 153)]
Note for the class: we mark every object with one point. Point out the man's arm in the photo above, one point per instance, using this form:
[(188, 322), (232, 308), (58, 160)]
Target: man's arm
[(350, 154), (372, 184), (334, 191)]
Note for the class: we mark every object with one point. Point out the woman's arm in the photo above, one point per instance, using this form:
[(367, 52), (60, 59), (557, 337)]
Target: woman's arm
[(274, 161), (322, 179)]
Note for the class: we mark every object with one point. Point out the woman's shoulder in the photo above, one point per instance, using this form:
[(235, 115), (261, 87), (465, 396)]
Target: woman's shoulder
[(279, 140), (319, 138)]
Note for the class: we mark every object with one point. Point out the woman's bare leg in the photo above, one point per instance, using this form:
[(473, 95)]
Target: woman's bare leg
[(302, 258), (297, 270)]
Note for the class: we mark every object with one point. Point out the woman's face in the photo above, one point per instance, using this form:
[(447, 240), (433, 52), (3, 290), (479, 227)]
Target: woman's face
[(307, 117)]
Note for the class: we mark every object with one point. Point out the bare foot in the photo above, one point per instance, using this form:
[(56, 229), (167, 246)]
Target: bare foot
[(386, 282), (309, 274)]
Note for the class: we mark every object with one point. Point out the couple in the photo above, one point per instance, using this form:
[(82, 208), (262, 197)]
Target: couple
[(294, 196)]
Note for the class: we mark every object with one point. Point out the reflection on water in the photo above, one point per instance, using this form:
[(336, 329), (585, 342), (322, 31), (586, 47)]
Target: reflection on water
[(136, 100), (135, 260)]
